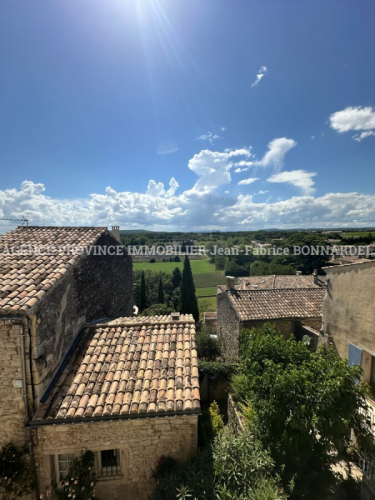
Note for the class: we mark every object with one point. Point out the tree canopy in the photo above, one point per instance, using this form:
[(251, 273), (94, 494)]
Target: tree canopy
[(302, 406), (189, 303)]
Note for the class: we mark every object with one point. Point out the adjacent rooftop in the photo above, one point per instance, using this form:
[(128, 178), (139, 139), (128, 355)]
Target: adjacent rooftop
[(252, 305), (129, 367), (32, 260)]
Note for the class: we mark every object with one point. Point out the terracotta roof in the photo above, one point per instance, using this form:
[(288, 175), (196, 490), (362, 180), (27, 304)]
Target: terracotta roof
[(273, 304), (137, 366), (26, 272)]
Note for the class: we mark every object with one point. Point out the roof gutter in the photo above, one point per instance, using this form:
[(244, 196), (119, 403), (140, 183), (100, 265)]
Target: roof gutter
[(109, 418)]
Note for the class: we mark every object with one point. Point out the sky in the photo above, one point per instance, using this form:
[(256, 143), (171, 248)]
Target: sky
[(187, 114)]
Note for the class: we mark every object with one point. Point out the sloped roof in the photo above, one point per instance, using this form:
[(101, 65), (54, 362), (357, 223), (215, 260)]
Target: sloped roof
[(32, 259), (253, 305), (129, 367), (281, 281)]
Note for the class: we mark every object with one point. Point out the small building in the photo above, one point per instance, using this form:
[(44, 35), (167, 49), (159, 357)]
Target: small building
[(130, 394), (295, 311), (349, 324)]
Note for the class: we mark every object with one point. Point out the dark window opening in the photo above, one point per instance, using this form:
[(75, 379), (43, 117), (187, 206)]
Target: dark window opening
[(110, 463)]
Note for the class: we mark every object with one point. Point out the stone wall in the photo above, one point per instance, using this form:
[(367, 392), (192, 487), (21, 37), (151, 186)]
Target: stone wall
[(285, 326), (349, 307), (228, 329), (97, 286), (12, 415), (140, 441)]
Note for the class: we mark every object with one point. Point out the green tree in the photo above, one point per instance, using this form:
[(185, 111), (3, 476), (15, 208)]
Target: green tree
[(189, 303), (157, 310), (160, 292), (176, 277), (304, 407), (142, 302)]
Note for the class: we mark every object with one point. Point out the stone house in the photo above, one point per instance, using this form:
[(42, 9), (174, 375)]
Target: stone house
[(54, 283), (349, 324), (295, 311), (133, 383)]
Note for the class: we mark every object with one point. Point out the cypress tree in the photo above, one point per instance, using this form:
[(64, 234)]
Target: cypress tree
[(176, 277), (189, 303), (142, 300), (160, 292)]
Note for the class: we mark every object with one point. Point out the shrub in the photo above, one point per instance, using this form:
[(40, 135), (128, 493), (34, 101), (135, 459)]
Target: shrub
[(243, 468), (157, 310), (79, 483), (16, 477), (208, 347)]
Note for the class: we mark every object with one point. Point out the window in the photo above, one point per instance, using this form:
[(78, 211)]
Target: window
[(62, 464), (109, 463)]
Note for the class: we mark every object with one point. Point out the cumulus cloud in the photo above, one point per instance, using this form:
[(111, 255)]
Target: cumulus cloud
[(277, 149), (186, 211), (210, 137), (261, 73), (248, 181), (298, 178), (354, 118)]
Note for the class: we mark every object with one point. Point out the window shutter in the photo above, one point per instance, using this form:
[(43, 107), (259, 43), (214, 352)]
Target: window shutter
[(355, 355)]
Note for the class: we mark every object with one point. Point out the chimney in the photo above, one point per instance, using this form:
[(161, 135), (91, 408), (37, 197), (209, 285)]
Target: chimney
[(315, 276), (116, 232), (230, 282), (299, 273), (175, 316)]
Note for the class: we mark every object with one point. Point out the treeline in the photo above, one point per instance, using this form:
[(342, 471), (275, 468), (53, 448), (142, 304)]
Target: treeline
[(159, 293)]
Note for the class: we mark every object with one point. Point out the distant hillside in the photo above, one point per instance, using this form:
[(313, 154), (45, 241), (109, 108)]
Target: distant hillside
[(134, 231)]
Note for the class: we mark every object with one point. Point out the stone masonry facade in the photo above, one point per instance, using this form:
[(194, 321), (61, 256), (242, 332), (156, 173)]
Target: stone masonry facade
[(141, 443), (12, 416)]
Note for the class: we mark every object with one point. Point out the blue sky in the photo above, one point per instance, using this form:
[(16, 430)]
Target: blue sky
[(190, 114)]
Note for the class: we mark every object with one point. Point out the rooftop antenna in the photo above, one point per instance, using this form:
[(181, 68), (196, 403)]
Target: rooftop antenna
[(25, 222)]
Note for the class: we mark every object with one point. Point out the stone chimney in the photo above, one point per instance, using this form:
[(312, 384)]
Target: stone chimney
[(230, 282), (175, 316), (315, 276), (299, 273), (116, 232)]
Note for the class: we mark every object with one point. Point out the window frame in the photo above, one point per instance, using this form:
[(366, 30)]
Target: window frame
[(118, 468), (58, 471)]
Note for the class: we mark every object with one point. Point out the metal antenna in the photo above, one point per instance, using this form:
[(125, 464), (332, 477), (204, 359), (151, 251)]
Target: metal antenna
[(25, 222)]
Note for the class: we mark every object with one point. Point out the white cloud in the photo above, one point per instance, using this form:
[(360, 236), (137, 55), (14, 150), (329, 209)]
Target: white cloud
[(223, 129), (363, 135), (187, 211), (354, 118), (248, 181), (298, 178), (261, 73), (277, 149), (240, 170), (210, 137)]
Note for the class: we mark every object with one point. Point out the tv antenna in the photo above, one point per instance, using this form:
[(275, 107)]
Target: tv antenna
[(25, 222)]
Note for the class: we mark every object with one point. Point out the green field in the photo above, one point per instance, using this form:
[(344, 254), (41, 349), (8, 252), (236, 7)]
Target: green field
[(206, 278), (206, 291), (207, 304)]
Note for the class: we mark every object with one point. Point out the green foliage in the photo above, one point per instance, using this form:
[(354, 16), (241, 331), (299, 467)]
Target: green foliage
[(208, 347), (189, 303), (210, 424), (152, 283), (160, 292), (216, 418), (305, 406), (79, 482), (260, 268), (16, 477), (217, 369), (193, 479), (176, 277), (142, 300), (243, 468), (157, 310)]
